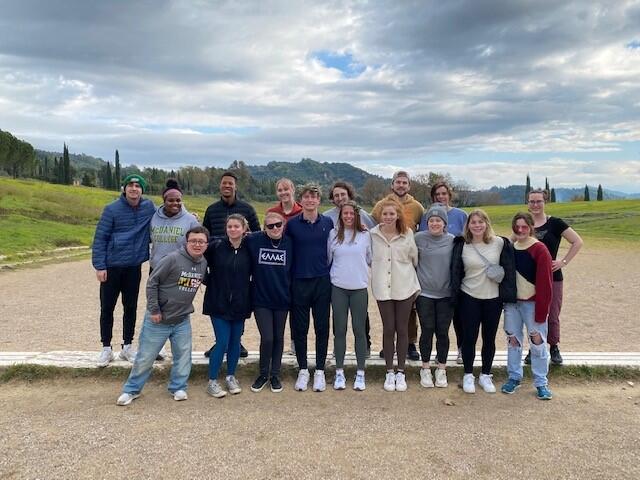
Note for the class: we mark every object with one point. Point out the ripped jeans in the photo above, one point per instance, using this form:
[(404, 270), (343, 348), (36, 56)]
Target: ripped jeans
[(517, 315)]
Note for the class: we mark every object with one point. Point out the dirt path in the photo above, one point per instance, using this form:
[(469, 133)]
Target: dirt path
[(73, 429), (55, 307)]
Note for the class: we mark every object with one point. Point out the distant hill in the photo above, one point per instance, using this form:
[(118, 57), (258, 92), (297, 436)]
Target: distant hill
[(79, 161), (308, 170), (514, 194)]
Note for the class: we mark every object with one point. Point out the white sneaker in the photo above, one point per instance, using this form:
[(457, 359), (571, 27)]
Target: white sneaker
[(303, 380), (358, 383), (106, 355), (469, 383), (441, 378), (215, 390), (126, 398), (128, 353), (340, 383), (390, 382), (486, 382), (319, 382), (426, 380), (459, 360), (233, 385), (401, 382), (180, 395)]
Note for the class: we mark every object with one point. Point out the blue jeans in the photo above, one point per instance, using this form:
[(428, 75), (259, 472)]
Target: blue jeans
[(152, 338), (228, 334), (517, 315)]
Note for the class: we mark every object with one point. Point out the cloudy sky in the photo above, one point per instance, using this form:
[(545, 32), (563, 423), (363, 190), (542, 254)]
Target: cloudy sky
[(484, 90)]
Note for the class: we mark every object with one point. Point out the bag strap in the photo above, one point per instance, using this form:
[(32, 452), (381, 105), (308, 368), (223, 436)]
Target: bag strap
[(487, 263)]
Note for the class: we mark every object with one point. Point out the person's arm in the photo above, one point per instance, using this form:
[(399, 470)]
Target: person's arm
[(413, 251), (571, 236), (101, 239), (544, 281), (157, 277), (330, 239)]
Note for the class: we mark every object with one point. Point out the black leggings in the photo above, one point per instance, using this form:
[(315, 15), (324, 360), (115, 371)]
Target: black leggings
[(125, 281), (435, 318), (271, 325), (475, 312)]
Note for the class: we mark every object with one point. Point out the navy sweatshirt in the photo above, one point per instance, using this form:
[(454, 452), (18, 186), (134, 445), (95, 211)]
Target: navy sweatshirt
[(271, 271)]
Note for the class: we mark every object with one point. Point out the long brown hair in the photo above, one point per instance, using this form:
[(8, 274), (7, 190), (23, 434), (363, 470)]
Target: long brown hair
[(357, 223), (401, 224), (488, 233)]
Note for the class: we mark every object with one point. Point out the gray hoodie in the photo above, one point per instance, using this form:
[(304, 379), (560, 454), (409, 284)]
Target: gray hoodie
[(173, 284), (434, 264), (168, 233)]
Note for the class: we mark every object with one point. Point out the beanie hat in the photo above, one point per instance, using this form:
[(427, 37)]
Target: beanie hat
[(172, 185), (438, 210), (134, 177)]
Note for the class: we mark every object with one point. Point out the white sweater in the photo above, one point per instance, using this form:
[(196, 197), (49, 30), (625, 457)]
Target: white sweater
[(349, 260), (393, 268)]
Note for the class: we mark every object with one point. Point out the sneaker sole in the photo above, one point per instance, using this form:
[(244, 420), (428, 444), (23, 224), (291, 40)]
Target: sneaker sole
[(544, 398), (181, 399), (359, 389), (235, 392), (511, 392), (128, 402), (319, 389), (257, 390), (217, 395), (389, 389), (444, 385), (276, 390), (344, 387), (426, 385)]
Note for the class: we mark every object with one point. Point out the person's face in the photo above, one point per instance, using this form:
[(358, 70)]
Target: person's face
[(235, 229), (274, 226), (521, 230), (310, 201), (228, 187), (442, 196), (340, 195), (477, 226), (436, 225), (196, 244), (348, 216), (389, 215), (284, 192), (401, 186), (133, 191), (172, 203), (536, 203)]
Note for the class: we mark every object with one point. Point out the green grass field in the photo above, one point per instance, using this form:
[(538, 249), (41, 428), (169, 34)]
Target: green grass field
[(37, 216)]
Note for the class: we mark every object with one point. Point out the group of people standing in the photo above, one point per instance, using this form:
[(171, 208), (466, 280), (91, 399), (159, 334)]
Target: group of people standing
[(439, 266)]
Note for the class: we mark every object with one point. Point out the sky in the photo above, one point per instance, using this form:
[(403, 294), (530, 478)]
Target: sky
[(486, 91)]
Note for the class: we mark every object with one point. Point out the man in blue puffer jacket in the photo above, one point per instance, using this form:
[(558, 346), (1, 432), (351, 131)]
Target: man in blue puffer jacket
[(120, 247)]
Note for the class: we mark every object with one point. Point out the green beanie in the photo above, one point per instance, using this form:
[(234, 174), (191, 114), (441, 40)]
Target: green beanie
[(134, 177)]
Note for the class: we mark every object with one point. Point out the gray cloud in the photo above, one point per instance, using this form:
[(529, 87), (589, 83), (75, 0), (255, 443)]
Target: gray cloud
[(461, 79)]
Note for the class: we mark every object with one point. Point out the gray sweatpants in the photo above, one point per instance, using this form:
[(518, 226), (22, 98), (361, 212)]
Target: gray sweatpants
[(342, 301)]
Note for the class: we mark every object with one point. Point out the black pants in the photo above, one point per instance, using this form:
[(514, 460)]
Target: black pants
[(475, 312), (125, 281), (457, 327), (435, 317), (271, 325), (311, 295)]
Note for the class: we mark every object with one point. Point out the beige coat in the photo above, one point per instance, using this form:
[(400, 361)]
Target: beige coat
[(393, 267)]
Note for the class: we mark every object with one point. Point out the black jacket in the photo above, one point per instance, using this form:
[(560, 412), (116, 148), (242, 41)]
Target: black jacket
[(217, 213), (507, 288), (228, 293)]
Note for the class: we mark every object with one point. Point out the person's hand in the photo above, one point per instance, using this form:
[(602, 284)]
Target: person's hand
[(101, 275), (156, 317), (557, 265)]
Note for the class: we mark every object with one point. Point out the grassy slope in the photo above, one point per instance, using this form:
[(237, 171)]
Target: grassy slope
[(41, 216)]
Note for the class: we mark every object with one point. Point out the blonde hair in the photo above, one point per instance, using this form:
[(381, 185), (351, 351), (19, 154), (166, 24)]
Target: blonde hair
[(273, 214), (488, 233), (401, 224)]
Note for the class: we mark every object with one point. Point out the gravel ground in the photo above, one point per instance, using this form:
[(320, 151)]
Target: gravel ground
[(56, 307), (73, 429)]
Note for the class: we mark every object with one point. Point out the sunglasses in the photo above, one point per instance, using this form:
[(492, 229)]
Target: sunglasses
[(271, 226)]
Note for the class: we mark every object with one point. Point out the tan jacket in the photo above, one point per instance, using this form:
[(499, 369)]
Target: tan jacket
[(412, 208), (393, 266)]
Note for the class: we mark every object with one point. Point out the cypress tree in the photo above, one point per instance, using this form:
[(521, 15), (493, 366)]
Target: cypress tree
[(527, 189), (586, 193), (66, 166), (116, 172), (546, 184), (553, 195), (599, 195)]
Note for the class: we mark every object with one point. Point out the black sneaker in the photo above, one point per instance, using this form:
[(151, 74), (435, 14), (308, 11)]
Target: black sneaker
[(208, 352), (259, 384), (412, 353), (276, 386), (527, 359), (381, 354), (243, 352), (556, 358)]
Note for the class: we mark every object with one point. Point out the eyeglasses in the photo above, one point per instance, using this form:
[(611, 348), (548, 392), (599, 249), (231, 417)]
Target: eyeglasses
[(271, 226), (197, 242), (536, 202)]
